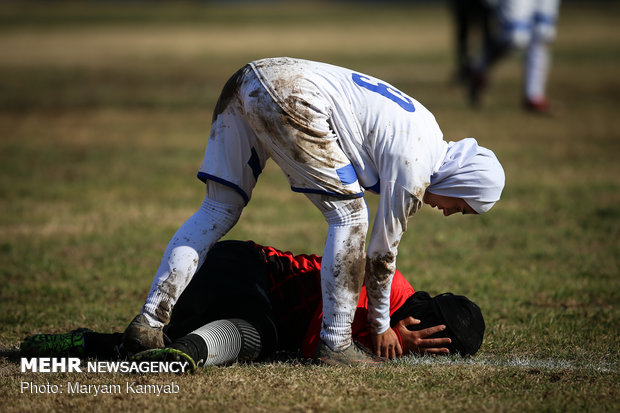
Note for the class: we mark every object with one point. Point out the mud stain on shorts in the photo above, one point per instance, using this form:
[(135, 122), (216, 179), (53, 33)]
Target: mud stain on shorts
[(230, 90), (306, 138), (288, 115), (292, 135)]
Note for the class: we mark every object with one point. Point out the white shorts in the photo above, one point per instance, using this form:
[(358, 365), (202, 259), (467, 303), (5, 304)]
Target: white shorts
[(249, 127), (522, 19)]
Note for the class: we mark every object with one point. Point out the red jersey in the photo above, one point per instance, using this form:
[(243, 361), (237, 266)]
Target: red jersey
[(295, 293)]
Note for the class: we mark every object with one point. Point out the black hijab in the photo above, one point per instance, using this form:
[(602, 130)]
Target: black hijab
[(461, 316)]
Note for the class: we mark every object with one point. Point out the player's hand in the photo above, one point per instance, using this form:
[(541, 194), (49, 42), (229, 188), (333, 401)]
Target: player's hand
[(387, 345), (416, 341)]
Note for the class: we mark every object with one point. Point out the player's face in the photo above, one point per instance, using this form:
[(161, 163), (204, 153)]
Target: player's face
[(449, 205)]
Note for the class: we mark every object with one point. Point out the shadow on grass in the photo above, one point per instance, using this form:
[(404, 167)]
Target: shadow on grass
[(10, 354)]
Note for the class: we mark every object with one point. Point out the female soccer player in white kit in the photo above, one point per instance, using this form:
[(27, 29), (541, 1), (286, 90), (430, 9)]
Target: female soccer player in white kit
[(335, 133)]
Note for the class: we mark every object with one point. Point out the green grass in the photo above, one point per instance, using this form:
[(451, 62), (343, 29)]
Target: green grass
[(105, 111)]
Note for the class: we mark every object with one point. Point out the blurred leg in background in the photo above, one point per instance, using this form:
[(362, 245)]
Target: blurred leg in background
[(525, 25)]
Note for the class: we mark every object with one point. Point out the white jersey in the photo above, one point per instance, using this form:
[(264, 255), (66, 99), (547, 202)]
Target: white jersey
[(334, 132), (393, 142)]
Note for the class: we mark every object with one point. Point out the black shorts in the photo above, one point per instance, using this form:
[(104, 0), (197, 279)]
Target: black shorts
[(232, 283)]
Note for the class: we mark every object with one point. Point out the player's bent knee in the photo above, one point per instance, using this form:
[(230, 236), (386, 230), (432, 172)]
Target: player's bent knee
[(351, 212)]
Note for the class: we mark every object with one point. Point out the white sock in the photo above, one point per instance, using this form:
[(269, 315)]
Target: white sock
[(342, 271), (537, 63), (336, 331), (185, 253)]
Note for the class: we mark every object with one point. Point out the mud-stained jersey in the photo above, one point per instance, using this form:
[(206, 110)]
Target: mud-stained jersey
[(393, 142), (386, 134)]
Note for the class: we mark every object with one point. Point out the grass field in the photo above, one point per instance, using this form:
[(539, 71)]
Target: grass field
[(104, 114)]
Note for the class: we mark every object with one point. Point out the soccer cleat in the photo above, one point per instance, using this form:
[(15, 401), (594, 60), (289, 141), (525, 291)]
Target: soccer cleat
[(541, 106), (354, 355), (166, 354), (55, 345), (140, 336)]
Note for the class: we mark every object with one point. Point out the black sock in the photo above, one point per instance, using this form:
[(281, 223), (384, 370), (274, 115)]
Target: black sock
[(103, 346), (193, 345)]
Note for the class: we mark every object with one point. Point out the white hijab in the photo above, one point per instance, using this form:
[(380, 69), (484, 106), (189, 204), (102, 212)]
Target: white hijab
[(469, 172)]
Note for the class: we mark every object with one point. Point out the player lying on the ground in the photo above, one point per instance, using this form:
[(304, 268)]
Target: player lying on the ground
[(248, 302)]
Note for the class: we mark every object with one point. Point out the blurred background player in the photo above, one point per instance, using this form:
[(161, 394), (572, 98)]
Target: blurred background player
[(472, 32), (250, 302), (528, 25)]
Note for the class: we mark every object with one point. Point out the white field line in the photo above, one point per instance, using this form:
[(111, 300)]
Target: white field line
[(519, 362)]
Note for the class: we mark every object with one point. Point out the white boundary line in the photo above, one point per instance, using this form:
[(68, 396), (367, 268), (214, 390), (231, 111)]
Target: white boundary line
[(519, 362)]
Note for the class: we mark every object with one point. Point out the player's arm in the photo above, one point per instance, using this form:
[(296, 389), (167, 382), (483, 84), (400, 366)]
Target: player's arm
[(396, 205)]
